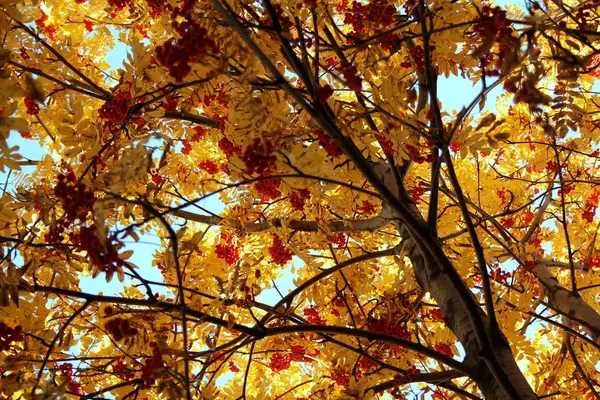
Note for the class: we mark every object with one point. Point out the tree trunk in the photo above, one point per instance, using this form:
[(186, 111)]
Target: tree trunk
[(443, 289)]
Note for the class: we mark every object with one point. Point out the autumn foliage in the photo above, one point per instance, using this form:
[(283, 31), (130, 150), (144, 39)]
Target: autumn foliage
[(218, 199)]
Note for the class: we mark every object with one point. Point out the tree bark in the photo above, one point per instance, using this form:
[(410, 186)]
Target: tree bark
[(568, 302), (437, 281)]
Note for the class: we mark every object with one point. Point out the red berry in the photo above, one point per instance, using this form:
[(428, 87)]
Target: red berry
[(324, 93), (268, 189), (298, 199), (259, 157), (329, 145), (228, 252), (279, 254), (32, 106), (279, 362)]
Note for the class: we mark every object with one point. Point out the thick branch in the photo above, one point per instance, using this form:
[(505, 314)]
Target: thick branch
[(358, 225), (511, 380), (196, 119)]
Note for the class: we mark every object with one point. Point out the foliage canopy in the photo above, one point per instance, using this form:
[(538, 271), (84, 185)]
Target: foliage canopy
[(432, 251)]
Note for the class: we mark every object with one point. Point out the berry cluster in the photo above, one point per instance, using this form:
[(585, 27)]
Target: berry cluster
[(324, 93), (390, 42), (499, 274), (438, 395), (353, 81), (444, 349), (529, 265), (285, 22), (494, 27), (415, 155), (279, 362), (119, 328), (157, 6), (298, 354), (121, 369), (228, 252), (114, 111), (259, 157), (330, 62), (329, 145), (455, 146), (537, 240), (528, 216), (392, 328), (312, 315), (233, 368), (48, 29), (32, 106), (89, 25), (153, 366), (416, 192), (199, 133), (365, 365), (585, 12), (367, 208), (507, 222), (171, 103), (9, 335), (298, 199), (228, 148), (386, 144), (23, 53), (339, 239), (589, 209), (103, 255), (436, 315), (552, 166), (192, 45), (162, 268), (187, 147), (66, 370), (209, 166), (76, 199), (156, 178), (219, 95), (416, 59), (377, 14), (592, 262), (268, 189), (501, 193), (55, 234), (340, 377), (411, 9), (566, 190), (411, 372), (338, 302), (279, 254), (118, 5)]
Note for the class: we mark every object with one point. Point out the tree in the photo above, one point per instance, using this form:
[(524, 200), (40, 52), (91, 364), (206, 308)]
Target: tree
[(431, 251)]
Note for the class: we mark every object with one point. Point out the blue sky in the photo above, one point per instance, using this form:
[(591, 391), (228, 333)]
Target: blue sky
[(453, 92)]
